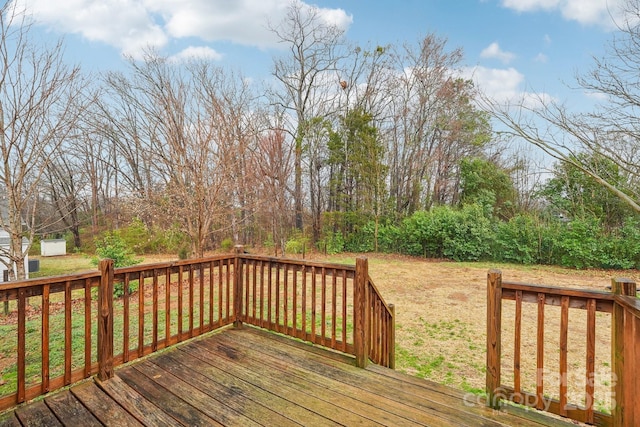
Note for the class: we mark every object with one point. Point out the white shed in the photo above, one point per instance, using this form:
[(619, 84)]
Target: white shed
[(53, 247)]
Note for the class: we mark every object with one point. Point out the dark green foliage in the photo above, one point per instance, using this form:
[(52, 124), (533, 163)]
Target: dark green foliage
[(518, 240), (575, 194), (332, 243), (466, 234), (112, 246), (444, 232), (483, 182)]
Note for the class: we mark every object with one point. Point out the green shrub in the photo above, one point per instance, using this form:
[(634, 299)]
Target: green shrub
[(226, 244), (621, 249), (518, 240), (332, 242), (444, 232), (183, 253), (112, 246), (579, 243), (296, 245)]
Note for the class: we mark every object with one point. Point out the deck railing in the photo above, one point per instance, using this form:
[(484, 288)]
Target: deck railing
[(618, 310), (68, 328)]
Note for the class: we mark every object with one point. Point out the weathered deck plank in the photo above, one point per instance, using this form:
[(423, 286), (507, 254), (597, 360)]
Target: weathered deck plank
[(70, 411), (425, 408), (246, 377), (108, 411), (134, 403), (37, 414)]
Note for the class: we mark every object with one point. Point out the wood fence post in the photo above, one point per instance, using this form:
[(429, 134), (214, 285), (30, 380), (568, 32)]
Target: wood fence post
[(494, 326), (392, 337), (237, 288), (619, 286), (105, 321), (361, 338)]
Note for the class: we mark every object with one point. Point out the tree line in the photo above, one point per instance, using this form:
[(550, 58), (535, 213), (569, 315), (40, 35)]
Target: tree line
[(343, 146)]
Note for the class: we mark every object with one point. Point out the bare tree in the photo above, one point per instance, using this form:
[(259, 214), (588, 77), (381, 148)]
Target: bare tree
[(273, 163), (41, 100), (309, 77), (186, 128), (610, 130), (429, 113)]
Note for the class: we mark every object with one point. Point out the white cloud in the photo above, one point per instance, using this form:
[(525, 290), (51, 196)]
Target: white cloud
[(132, 25), (494, 51), (586, 12), (504, 85), (197, 52), (124, 24), (542, 58)]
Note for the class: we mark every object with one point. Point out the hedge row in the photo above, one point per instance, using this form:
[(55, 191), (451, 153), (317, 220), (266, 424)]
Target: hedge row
[(468, 234)]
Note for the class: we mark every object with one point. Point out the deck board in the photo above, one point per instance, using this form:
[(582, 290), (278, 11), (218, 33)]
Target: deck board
[(70, 411), (249, 377)]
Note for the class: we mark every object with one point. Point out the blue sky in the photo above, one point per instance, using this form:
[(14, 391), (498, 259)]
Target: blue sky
[(511, 46)]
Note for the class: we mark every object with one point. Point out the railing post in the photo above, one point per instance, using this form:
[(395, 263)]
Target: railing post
[(105, 320), (237, 288), (392, 337), (619, 286), (361, 338), (494, 326)]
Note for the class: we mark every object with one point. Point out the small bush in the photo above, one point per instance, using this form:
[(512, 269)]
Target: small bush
[(333, 243), (112, 246), (296, 245), (183, 253), (226, 244)]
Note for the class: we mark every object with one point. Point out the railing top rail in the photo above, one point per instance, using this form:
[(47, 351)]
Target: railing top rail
[(559, 291), (630, 303), (41, 281), (170, 264), (300, 262), (379, 294)]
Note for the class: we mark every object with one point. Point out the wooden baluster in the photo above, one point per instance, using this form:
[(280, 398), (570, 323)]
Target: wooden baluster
[(303, 334), (87, 328), (68, 330), (540, 353), (154, 302), (564, 333), (45, 338), (21, 368), (517, 347), (392, 337), (167, 306), (126, 319), (591, 359)]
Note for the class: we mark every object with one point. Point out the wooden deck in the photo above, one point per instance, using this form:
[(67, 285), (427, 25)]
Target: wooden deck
[(246, 377)]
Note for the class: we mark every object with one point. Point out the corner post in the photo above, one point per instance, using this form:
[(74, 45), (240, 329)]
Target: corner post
[(237, 286), (619, 286), (105, 321), (494, 326), (392, 337), (361, 306)]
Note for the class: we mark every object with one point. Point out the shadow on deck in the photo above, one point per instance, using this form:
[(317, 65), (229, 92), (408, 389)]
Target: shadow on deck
[(247, 376)]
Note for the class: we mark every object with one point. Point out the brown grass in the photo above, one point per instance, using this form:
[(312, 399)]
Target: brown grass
[(441, 323)]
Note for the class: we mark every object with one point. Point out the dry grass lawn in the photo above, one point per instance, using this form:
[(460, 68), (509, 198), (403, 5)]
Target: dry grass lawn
[(441, 323)]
